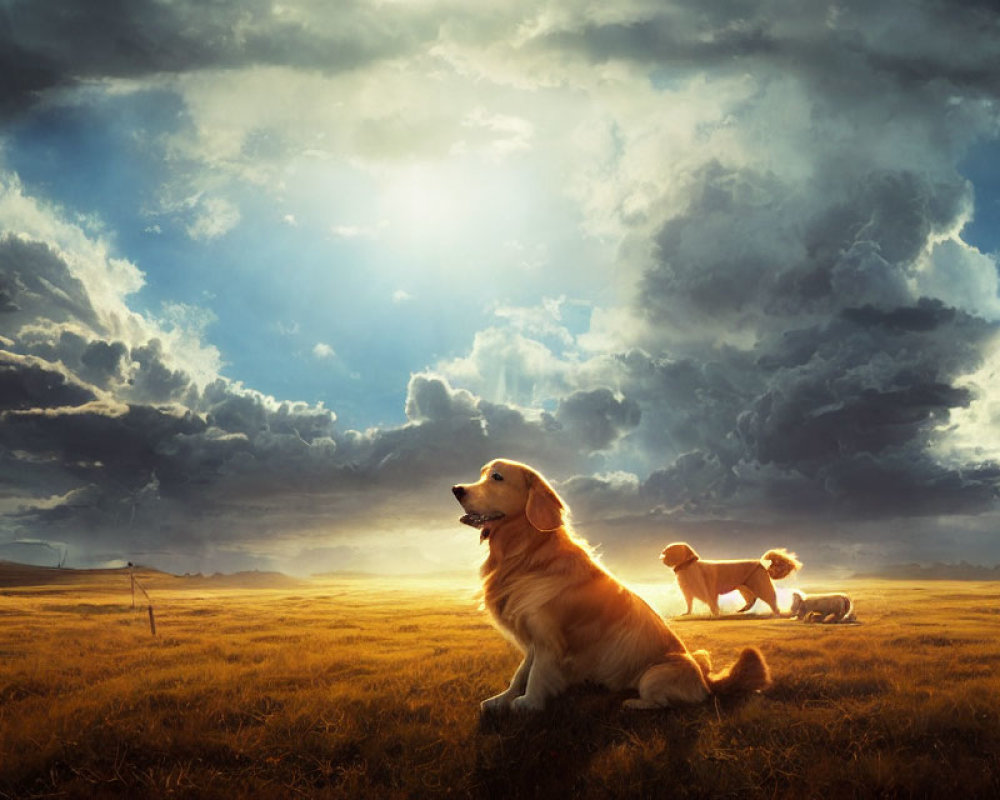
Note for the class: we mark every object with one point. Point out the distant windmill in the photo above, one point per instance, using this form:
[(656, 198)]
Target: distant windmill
[(59, 548)]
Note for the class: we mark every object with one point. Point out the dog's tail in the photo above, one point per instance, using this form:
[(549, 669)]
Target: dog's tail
[(783, 563), (749, 673)]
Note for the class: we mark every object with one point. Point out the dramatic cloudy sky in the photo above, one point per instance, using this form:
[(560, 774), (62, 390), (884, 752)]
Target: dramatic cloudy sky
[(274, 275)]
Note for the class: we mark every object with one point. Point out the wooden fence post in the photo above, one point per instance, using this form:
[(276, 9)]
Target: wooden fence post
[(152, 619)]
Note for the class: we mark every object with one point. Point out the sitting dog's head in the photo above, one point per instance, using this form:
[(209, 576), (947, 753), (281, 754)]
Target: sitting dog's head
[(507, 489), (678, 553)]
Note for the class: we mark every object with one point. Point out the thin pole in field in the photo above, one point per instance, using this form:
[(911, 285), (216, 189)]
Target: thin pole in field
[(152, 619)]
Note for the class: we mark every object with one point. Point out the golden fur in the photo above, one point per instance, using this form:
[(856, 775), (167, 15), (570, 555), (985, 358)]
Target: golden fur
[(574, 622), (822, 607), (706, 580)]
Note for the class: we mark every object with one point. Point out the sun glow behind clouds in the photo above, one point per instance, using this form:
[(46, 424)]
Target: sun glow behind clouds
[(456, 202), (468, 230), (441, 216), (421, 201)]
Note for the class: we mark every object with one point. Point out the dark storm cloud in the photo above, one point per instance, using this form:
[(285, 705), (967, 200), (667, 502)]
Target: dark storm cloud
[(788, 426), (27, 382), (905, 43), (118, 442), (453, 433), (690, 403), (850, 372), (46, 44), (596, 418), (845, 352), (863, 382), (601, 496), (35, 281), (753, 251), (667, 39)]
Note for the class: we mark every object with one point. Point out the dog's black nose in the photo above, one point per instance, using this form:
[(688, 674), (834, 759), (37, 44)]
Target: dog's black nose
[(458, 491)]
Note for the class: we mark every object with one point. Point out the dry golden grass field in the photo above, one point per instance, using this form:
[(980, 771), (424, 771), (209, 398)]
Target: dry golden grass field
[(370, 688)]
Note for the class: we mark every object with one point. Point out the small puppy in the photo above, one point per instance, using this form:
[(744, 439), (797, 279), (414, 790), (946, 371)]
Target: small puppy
[(706, 580), (574, 622), (823, 607)]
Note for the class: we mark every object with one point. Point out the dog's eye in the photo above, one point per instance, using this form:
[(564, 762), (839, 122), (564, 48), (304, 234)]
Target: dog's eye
[(497, 476)]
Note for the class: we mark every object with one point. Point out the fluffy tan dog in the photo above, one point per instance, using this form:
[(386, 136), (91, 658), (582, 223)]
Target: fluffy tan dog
[(574, 622), (706, 580), (823, 607)]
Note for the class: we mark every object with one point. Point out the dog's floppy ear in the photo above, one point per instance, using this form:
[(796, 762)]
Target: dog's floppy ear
[(544, 508)]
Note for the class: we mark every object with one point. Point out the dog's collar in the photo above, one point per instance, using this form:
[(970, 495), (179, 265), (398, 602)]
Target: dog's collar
[(686, 563)]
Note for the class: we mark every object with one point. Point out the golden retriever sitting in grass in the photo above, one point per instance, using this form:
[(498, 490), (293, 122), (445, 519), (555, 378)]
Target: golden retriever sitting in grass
[(574, 622), (706, 580), (822, 607)]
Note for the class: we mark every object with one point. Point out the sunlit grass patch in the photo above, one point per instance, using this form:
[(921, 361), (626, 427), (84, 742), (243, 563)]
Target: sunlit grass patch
[(341, 691)]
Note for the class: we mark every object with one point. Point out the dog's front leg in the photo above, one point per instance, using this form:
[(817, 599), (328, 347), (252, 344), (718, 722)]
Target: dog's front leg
[(518, 684), (545, 680)]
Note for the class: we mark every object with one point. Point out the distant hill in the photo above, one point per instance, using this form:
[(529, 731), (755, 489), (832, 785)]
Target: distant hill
[(962, 571), (13, 574)]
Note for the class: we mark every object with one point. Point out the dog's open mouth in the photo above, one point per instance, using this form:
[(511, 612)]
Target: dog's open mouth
[(480, 521)]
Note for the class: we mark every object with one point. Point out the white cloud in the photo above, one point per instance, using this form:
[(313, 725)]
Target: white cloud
[(507, 367), (971, 434), (359, 231), (511, 364), (507, 134), (323, 351), (108, 283), (214, 217), (961, 276), (543, 321), (287, 328)]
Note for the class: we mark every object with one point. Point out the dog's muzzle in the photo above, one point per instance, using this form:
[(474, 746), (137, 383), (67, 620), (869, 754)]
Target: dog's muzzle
[(472, 518)]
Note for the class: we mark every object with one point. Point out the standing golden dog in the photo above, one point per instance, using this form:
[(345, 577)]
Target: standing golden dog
[(574, 622), (706, 580)]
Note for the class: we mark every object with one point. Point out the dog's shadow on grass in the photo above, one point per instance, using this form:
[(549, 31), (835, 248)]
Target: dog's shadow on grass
[(583, 736)]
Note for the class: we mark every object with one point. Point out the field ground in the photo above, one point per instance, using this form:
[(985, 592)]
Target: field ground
[(370, 688)]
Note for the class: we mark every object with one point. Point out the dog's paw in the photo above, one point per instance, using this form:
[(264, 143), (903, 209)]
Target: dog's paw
[(495, 705), (524, 704), (703, 659)]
